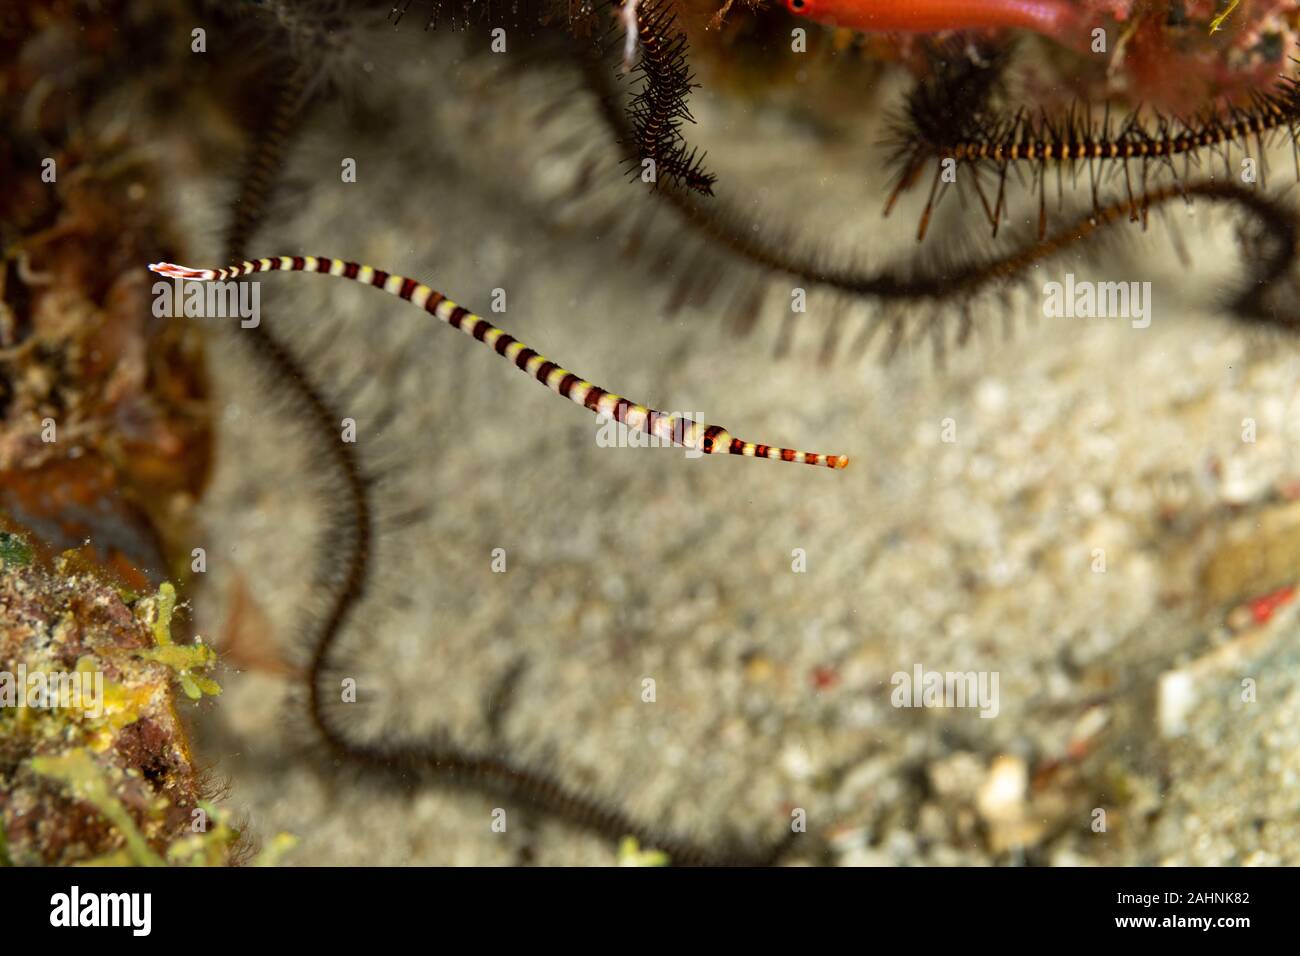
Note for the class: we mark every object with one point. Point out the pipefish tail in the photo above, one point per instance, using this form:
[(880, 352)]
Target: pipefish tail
[(674, 429)]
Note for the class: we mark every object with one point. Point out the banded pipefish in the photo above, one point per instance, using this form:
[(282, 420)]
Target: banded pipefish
[(677, 430)]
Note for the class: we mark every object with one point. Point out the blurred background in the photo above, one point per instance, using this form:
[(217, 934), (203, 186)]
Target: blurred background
[(1103, 516)]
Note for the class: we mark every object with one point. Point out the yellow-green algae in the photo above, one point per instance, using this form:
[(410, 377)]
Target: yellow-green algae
[(186, 660), (631, 854), (129, 760), (83, 779)]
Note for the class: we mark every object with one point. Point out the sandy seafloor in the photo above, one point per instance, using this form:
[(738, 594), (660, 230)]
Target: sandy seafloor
[(772, 687)]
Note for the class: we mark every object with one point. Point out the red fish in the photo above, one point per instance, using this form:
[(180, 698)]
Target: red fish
[(1056, 19)]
